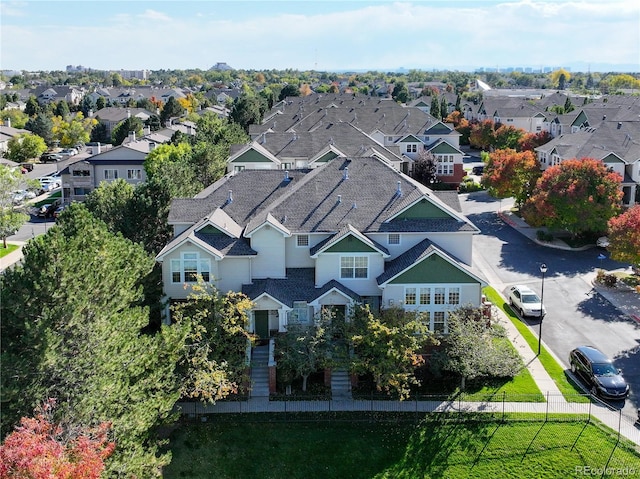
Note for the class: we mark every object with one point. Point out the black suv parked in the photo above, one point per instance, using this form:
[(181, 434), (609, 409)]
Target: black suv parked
[(599, 372)]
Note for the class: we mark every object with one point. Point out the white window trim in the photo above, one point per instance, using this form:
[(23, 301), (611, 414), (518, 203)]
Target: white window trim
[(114, 172), (200, 262), (354, 256)]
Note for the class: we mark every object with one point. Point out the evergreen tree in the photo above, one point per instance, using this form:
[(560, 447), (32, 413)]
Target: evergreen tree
[(444, 107), (72, 330), (42, 126), (434, 111)]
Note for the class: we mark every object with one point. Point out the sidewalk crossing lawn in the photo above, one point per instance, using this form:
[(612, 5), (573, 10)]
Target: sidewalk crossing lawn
[(393, 446)]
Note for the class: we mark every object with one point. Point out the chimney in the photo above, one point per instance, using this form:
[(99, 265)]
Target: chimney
[(99, 149), (345, 173), (152, 145), (147, 130), (8, 122), (132, 136), (128, 113)]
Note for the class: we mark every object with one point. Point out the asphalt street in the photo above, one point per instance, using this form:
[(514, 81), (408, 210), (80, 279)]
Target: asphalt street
[(576, 313)]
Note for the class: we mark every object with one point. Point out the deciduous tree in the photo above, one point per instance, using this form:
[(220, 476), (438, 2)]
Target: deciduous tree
[(216, 342), (77, 129), (388, 348), (11, 218), (482, 135), (25, 146), (474, 349), (509, 173), (624, 236), (425, 169), (507, 136), (41, 449), (578, 195)]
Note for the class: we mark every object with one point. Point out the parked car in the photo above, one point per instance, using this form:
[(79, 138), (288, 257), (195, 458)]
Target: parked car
[(599, 372), (51, 158), (26, 166), (525, 301), (49, 183), (20, 196), (58, 210), (47, 210), (68, 152), (477, 170)]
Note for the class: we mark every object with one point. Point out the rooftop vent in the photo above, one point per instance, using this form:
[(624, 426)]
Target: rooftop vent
[(399, 189), (345, 173), (619, 125), (286, 176), (339, 199), (230, 197)]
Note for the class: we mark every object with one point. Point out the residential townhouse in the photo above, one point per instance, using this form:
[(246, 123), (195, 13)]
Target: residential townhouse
[(121, 162), (111, 116), (616, 143), (353, 230), (406, 131)]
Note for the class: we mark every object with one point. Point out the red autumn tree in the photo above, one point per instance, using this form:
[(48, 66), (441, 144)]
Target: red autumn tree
[(482, 135), (624, 236), (507, 136), (578, 196), (533, 140), (41, 449), (457, 119), (509, 173)]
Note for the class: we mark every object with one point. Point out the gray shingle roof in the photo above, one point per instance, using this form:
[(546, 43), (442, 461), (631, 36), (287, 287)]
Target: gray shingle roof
[(299, 285)]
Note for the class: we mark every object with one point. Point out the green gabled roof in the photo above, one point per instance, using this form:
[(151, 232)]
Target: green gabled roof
[(437, 129), (251, 156), (328, 156), (421, 103), (580, 120), (410, 139), (433, 270), (444, 147), (424, 209), (350, 244), (612, 158)]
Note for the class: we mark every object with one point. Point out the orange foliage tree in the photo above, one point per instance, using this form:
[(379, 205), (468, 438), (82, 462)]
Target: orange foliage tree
[(624, 236), (40, 449), (578, 195), (482, 134), (533, 140), (510, 173)]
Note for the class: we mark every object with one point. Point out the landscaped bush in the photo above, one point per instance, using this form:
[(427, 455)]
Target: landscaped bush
[(469, 186), (606, 279), (544, 236)]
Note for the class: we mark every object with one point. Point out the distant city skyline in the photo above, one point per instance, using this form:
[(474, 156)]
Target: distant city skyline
[(324, 35)]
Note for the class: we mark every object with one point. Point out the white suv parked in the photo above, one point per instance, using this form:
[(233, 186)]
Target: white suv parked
[(525, 301)]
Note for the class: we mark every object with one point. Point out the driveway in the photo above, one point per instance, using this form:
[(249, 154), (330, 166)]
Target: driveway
[(576, 313)]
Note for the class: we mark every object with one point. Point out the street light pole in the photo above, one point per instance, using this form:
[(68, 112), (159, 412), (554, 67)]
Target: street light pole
[(543, 270)]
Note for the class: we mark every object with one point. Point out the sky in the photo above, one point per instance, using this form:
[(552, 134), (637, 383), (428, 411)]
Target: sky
[(324, 35)]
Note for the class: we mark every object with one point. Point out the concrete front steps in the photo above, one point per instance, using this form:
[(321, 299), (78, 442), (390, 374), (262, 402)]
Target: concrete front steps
[(260, 372)]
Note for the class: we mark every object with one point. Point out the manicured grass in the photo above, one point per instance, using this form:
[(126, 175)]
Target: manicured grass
[(570, 391), (5, 251), (437, 447)]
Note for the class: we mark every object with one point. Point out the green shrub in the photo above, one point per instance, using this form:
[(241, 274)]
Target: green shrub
[(544, 236)]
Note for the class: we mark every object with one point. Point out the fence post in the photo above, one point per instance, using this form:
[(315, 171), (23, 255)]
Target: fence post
[(504, 399), (546, 416)]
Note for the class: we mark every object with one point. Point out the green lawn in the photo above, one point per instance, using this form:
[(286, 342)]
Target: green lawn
[(233, 447), (570, 391), (5, 251)]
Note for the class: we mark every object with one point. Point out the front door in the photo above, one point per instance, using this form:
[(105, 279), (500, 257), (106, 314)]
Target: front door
[(261, 318)]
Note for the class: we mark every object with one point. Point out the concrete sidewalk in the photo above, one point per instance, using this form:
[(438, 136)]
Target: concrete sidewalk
[(13, 257)]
